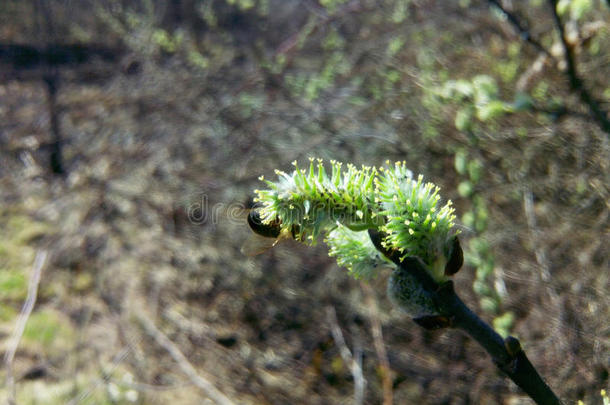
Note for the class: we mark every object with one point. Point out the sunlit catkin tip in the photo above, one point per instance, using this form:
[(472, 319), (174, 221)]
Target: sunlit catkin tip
[(387, 199)]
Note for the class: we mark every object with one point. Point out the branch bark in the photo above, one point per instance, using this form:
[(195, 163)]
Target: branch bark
[(506, 354), (576, 83), (520, 27)]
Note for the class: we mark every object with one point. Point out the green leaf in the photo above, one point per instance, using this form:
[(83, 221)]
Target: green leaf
[(578, 8), (394, 46), (491, 110), (481, 288), (475, 168), (481, 219), (485, 88), (562, 7), (468, 219), (460, 161), (488, 304), (463, 119), (484, 270), (465, 188), (503, 323)]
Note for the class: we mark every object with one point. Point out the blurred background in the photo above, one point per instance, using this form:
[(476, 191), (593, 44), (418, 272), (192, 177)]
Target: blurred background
[(132, 132)]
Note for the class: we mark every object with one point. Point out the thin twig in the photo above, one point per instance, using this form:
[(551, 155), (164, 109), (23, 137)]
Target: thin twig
[(322, 19), (542, 259), (576, 83), (354, 363), (187, 368), (26, 310), (106, 375), (536, 234), (520, 27), (382, 355)]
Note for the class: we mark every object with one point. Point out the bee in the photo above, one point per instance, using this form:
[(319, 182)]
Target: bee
[(270, 230), (265, 236)]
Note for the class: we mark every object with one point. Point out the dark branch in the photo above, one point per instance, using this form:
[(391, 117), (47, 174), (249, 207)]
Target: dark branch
[(576, 83), (56, 155), (24, 56), (524, 33), (506, 354)]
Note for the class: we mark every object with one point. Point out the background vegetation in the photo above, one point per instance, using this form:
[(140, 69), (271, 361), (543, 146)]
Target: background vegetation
[(130, 129)]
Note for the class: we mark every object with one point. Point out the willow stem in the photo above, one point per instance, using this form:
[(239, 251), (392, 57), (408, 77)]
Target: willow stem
[(506, 354)]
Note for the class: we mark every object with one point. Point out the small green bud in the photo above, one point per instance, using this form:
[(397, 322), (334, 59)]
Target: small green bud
[(475, 168), (488, 304), (481, 288), (504, 322), (461, 161), (465, 188), (463, 119), (468, 219)]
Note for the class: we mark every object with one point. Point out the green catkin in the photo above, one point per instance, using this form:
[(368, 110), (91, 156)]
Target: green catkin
[(352, 200)]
